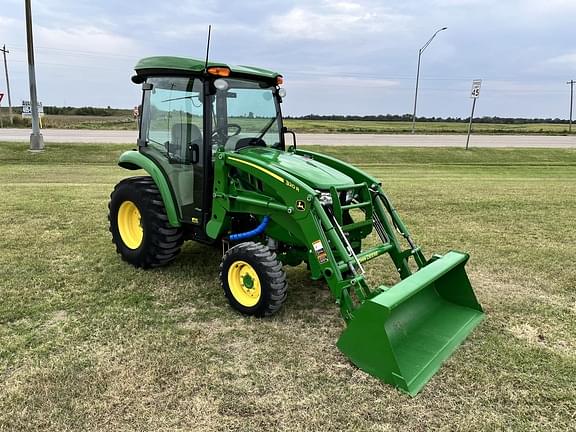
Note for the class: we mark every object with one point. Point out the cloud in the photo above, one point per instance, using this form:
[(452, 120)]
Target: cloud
[(341, 55), (519, 88), (461, 3), (330, 21), (564, 60), (338, 82), (92, 39), (8, 27), (548, 6)]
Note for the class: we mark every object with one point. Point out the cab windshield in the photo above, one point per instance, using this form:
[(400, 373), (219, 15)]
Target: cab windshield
[(245, 113)]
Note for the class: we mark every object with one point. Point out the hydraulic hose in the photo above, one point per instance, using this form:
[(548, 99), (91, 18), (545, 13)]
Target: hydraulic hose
[(252, 233)]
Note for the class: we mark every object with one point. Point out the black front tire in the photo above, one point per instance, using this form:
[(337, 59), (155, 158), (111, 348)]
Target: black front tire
[(160, 243), (271, 278)]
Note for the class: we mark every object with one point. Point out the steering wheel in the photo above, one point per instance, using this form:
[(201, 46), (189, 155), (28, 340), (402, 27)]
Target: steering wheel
[(219, 139), (235, 126)]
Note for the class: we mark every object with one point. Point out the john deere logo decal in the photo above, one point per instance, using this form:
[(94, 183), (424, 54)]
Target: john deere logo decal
[(300, 205)]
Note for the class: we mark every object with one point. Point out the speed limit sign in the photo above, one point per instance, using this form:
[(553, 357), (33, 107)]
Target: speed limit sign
[(475, 93)]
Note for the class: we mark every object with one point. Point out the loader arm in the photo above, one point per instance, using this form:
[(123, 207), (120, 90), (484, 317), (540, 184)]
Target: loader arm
[(384, 204)]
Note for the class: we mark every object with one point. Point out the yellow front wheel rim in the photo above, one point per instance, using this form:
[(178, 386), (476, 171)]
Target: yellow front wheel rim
[(244, 283), (130, 225)]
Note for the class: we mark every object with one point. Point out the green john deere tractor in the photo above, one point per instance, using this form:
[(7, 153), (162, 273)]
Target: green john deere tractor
[(219, 171)]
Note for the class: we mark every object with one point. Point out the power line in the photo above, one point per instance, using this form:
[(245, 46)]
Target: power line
[(68, 65), (82, 52), (369, 77), (292, 71)]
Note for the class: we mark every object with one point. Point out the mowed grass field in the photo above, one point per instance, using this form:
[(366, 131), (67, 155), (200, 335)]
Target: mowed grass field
[(88, 343), (61, 121), (388, 127)]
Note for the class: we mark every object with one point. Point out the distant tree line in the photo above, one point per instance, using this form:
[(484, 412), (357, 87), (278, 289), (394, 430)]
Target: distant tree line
[(108, 112), (83, 111), (408, 117)]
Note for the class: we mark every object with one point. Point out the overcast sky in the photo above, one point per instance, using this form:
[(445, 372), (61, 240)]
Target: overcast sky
[(338, 57)]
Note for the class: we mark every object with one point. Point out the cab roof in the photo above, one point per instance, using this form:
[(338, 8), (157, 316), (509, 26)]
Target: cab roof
[(164, 64)]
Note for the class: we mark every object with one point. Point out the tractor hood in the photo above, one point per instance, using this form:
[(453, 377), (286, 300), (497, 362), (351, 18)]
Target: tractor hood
[(315, 174)]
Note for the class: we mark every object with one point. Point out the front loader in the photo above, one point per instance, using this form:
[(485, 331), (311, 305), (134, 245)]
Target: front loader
[(220, 171)]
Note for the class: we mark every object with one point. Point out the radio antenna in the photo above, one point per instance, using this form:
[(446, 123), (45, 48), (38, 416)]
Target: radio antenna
[(207, 49)]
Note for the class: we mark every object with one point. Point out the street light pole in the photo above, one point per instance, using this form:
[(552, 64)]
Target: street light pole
[(36, 139), (571, 82), (420, 51)]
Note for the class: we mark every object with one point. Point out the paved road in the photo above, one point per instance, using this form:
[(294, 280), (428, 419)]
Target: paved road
[(104, 136)]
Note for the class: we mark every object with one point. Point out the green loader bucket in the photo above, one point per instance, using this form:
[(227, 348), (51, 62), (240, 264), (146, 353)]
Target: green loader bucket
[(403, 335)]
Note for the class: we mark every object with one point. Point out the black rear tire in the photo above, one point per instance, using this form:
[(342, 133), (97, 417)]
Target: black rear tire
[(160, 243), (257, 260)]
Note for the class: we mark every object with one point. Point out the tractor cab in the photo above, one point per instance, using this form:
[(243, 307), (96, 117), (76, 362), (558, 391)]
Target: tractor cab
[(190, 112)]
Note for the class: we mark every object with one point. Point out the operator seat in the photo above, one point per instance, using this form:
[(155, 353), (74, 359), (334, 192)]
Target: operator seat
[(183, 136), (188, 180)]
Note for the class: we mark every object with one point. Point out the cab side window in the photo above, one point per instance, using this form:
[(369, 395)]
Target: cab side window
[(174, 119), (172, 133)]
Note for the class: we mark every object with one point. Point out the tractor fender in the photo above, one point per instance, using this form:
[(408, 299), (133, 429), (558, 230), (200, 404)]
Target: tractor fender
[(134, 160)]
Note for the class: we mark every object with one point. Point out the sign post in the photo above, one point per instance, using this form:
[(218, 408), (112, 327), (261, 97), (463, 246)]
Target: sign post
[(1, 120), (474, 94)]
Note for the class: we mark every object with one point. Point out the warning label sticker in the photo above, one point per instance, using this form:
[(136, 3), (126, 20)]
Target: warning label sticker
[(320, 253)]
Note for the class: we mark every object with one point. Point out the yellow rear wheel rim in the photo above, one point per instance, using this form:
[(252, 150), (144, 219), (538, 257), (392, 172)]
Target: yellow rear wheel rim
[(244, 283), (130, 225)]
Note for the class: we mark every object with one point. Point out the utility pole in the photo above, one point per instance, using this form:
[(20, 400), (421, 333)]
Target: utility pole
[(571, 82), (4, 51), (36, 139)]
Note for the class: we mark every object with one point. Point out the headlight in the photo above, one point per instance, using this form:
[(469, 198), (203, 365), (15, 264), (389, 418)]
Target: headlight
[(325, 198), (349, 197)]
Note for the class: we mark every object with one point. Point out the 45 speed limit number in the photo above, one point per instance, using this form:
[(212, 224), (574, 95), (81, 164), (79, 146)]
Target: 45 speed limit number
[(475, 93)]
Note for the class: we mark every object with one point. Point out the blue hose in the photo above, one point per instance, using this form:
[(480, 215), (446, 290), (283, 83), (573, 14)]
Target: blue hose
[(252, 233)]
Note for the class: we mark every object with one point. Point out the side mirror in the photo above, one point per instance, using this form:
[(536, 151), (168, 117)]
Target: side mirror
[(285, 130)]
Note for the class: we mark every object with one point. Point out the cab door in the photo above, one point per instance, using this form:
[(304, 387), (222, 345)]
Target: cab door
[(172, 134)]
